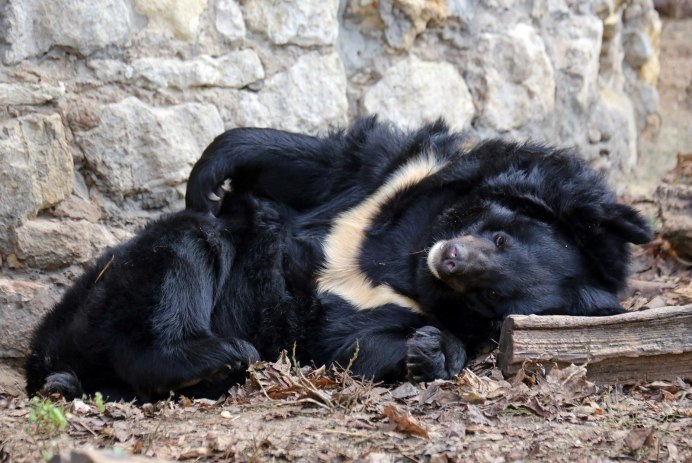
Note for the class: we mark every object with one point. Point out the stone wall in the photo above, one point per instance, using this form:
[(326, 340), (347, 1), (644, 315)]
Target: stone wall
[(106, 104)]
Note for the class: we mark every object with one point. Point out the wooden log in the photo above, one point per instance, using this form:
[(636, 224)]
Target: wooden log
[(650, 345), (674, 199), (675, 214)]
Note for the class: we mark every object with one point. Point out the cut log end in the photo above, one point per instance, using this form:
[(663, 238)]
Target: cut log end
[(644, 346)]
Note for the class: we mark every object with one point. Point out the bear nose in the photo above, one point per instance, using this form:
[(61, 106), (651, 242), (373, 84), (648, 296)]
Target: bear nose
[(452, 257)]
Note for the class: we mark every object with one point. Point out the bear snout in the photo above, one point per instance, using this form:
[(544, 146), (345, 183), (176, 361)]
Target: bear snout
[(466, 256), (453, 257)]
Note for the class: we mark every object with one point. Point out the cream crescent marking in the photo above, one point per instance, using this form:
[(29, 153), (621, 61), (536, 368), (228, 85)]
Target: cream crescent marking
[(434, 251), (341, 273)]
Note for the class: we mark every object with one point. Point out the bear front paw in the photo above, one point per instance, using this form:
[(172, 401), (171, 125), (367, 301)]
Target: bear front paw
[(425, 360), (432, 354)]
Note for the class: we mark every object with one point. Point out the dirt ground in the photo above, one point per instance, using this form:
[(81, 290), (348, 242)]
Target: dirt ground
[(285, 413)]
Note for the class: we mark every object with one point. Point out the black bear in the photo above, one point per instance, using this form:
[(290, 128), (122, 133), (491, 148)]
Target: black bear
[(425, 248), (401, 247), (173, 309)]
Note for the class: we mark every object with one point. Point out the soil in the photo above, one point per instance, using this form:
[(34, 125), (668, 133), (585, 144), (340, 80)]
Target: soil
[(285, 413)]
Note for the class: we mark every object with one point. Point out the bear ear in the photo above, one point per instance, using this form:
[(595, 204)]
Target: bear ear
[(593, 222), (588, 301), (596, 302), (627, 223)]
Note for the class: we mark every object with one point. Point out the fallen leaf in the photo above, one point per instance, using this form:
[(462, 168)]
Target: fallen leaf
[(637, 438), (195, 452), (456, 429), (474, 388), (685, 293), (359, 423), (121, 431), (220, 442), (404, 423), (323, 382), (648, 289), (80, 408), (97, 456), (405, 391), (664, 385), (439, 458), (124, 411), (534, 448), (427, 395), (476, 416), (585, 411), (138, 446), (597, 409), (569, 383), (673, 452), (537, 408)]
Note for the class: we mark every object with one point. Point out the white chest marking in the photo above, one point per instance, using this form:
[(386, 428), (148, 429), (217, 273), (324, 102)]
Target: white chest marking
[(341, 273)]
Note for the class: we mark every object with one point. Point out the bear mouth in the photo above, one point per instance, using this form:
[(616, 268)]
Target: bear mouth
[(439, 266), (434, 258), (462, 262)]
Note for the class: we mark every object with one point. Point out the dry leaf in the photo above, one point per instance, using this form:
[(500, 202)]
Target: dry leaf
[(405, 391), (404, 423), (638, 438), (565, 385), (121, 431), (220, 442), (476, 416), (474, 388), (537, 408), (194, 452)]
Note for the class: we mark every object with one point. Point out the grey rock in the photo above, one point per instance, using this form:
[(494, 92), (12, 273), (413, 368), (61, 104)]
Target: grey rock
[(139, 148), (616, 152), (602, 8), (400, 31), (298, 22), (51, 244), (310, 96), (516, 81), (34, 26), (22, 303), (406, 97), (30, 94), (404, 20), (638, 49), (574, 49), (645, 100), (359, 43), (11, 379), (173, 17), (37, 169), (594, 135), (612, 54), (74, 207), (233, 70), (640, 43), (463, 10), (229, 20)]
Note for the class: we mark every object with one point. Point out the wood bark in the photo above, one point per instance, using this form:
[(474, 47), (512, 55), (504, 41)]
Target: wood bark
[(650, 345)]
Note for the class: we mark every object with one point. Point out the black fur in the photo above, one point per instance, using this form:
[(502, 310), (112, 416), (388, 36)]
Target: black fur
[(176, 308), (187, 303)]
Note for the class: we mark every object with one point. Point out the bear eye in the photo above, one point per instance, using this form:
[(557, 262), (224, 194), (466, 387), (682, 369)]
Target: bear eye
[(500, 240), (492, 295)]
